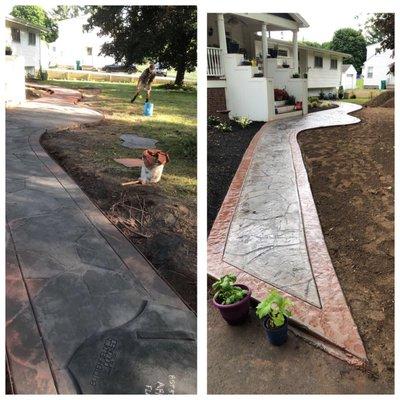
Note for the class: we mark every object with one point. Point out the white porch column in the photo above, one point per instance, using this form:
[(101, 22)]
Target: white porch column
[(295, 53), (264, 48), (221, 33)]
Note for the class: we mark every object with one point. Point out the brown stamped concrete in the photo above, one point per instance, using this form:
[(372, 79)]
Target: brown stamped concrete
[(331, 325), (72, 278)]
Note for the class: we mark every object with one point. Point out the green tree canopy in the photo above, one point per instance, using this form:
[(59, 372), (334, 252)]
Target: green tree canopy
[(166, 34), (380, 29), (38, 16), (348, 40), (65, 12)]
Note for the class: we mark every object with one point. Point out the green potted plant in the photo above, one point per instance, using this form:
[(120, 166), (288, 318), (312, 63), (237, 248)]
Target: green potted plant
[(275, 309), (296, 76), (8, 51), (232, 300)]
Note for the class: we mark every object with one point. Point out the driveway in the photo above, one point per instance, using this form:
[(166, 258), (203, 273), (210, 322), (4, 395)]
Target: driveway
[(86, 312)]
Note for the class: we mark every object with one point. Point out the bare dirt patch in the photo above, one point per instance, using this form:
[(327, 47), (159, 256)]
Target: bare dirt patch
[(160, 220), (351, 172)]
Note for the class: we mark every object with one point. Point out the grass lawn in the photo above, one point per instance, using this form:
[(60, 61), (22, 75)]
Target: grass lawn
[(362, 95), (173, 124)]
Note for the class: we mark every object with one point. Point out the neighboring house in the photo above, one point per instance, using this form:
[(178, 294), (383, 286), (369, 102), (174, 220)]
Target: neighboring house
[(376, 68), (24, 40), (349, 77), (76, 45), (248, 90)]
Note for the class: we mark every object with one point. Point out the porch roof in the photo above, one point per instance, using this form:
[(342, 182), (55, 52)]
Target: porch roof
[(304, 46), (21, 22), (275, 22)]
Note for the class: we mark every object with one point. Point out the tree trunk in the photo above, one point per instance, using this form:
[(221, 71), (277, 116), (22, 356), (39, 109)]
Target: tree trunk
[(180, 75)]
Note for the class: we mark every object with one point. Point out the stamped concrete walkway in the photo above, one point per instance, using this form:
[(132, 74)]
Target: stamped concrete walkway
[(268, 233), (86, 312)]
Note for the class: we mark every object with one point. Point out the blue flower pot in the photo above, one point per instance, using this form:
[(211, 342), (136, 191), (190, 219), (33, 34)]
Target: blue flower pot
[(148, 109), (276, 336)]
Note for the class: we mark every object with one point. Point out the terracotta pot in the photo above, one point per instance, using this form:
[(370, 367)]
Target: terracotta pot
[(236, 313)]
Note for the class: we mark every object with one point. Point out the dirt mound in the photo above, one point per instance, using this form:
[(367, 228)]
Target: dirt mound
[(389, 103), (381, 99)]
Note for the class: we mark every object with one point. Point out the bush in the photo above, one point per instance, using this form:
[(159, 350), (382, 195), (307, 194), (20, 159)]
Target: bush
[(353, 96), (243, 122), (321, 95), (212, 120), (296, 76), (8, 51), (42, 75), (291, 101), (224, 127), (340, 92), (280, 94)]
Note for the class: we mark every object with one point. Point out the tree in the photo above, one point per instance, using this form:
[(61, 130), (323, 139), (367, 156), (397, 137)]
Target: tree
[(37, 15), (380, 29), (166, 34), (65, 12), (348, 40)]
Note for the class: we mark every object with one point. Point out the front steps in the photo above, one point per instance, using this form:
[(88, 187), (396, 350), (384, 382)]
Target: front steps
[(282, 110)]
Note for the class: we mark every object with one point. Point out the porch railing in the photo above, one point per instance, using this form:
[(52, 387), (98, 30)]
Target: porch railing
[(215, 66)]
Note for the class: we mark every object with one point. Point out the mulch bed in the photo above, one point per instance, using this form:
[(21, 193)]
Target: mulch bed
[(225, 151), (351, 172)]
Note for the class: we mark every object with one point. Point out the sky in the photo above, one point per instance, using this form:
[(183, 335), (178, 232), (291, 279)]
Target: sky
[(322, 29)]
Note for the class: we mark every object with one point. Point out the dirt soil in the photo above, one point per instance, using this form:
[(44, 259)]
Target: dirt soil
[(163, 228), (351, 172), (225, 151)]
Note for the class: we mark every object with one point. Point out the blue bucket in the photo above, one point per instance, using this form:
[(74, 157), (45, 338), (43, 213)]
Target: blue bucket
[(148, 109)]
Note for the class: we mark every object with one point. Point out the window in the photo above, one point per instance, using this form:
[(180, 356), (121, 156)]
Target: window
[(333, 63), (16, 35), (282, 53), (318, 62), (89, 51), (370, 72), (32, 39)]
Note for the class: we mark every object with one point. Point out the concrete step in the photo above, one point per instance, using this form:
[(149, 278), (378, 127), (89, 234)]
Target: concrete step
[(285, 109), (295, 113)]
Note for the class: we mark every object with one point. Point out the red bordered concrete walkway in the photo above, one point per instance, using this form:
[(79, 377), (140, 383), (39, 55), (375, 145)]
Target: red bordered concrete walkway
[(268, 233), (81, 300)]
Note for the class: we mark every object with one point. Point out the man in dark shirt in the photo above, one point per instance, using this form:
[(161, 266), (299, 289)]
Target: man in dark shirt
[(145, 81)]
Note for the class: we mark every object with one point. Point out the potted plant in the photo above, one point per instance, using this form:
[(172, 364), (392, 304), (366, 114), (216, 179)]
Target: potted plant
[(232, 300), (285, 64), (298, 106), (280, 94), (296, 76), (276, 310), (291, 101), (8, 51), (305, 76)]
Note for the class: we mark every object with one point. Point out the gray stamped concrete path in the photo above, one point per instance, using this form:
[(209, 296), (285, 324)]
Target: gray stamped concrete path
[(86, 312), (268, 233)]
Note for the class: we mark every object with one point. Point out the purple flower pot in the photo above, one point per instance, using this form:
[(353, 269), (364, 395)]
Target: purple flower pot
[(236, 313), (277, 336)]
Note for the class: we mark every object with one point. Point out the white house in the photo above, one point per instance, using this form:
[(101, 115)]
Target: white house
[(74, 44), (376, 68), (24, 40), (300, 69), (349, 77)]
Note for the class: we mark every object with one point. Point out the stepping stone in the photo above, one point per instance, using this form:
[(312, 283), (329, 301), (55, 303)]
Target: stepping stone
[(268, 234), (133, 141), (129, 162)]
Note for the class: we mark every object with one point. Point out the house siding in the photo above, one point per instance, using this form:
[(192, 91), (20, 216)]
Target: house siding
[(323, 78), (380, 63), (31, 53)]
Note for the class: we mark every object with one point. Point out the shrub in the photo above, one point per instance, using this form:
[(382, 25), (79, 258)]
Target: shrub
[(340, 92), (321, 95), (226, 292), (8, 51), (291, 101), (276, 307), (280, 94), (224, 127), (305, 76), (42, 75), (243, 122), (353, 96), (212, 120), (296, 76)]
